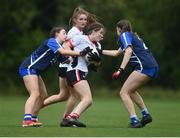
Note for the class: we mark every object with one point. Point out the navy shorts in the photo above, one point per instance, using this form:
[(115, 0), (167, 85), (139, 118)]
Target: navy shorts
[(24, 71), (75, 76), (151, 72)]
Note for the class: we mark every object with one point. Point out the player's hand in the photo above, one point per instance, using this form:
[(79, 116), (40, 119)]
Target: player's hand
[(85, 51), (55, 61), (117, 73), (99, 51), (94, 57)]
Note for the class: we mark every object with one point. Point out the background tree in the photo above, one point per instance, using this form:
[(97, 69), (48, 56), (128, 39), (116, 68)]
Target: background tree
[(25, 24)]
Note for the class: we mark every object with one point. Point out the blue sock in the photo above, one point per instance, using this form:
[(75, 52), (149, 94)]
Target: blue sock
[(27, 117), (134, 119), (145, 112)]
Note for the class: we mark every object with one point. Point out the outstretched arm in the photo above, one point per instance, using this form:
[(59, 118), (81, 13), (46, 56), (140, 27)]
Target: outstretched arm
[(68, 52), (126, 58), (111, 52)]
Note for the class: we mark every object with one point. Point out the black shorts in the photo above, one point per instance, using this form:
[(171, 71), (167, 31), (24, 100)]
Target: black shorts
[(62, 72), (75, 76)]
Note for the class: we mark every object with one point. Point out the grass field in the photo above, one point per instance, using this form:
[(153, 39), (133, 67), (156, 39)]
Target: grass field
[(106, 118)]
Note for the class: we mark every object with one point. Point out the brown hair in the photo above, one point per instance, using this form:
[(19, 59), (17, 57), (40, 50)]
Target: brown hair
[(96, 26), (125, 25), (77, 11), (55, 30)]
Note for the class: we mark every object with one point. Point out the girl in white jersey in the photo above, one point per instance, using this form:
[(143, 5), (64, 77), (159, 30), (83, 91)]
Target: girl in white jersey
[(78, 70), (80, 20)]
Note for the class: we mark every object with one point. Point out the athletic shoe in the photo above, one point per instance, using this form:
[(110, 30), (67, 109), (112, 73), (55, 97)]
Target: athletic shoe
[(135, 125), (146, 119), (28, 123), (76, 123), (72, 122), (65, 123)]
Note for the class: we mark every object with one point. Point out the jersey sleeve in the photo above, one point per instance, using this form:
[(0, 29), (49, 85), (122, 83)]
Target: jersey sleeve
[(120, 50), (73, 32), (126, 40), (53, 44)]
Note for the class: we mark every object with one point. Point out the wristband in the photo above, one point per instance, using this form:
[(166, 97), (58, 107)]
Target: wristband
[(121, 69)]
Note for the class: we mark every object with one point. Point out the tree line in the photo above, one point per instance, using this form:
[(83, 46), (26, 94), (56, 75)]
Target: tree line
[(25, 24)]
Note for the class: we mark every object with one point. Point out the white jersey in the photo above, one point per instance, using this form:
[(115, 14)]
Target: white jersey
[(80, 42), (71, 33), (98, 45)]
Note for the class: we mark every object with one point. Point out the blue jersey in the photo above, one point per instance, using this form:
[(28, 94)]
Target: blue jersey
[(141, 57), (41, 58)]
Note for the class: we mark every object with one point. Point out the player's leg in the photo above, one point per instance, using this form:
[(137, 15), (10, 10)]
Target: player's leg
[(32, 86), (43, 95), (71, 102), (138, 100), (62, 96), (133, 82), (77, 80), (146, 117), (84, 92)]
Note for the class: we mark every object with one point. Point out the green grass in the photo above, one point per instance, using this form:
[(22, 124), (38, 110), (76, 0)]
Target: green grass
[(105, 118)]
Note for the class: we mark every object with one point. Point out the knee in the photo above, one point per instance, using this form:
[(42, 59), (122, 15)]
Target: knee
[(63, 95), (123, 93), (44, 96), (35, 94)]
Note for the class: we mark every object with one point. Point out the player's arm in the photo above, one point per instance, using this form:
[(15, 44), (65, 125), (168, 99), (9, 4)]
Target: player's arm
[(70, 52), (56, 47), (126, 40), (111, 52), (66, 50), (127, 56), (67, 45)]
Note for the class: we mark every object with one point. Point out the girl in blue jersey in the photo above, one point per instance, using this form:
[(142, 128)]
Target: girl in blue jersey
[(38, 62), (144, 67)]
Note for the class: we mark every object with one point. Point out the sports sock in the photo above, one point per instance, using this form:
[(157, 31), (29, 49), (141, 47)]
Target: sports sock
[(65, 115), (145, 112), (73, 115), (27, 117), (134, 119), (34, 118)]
